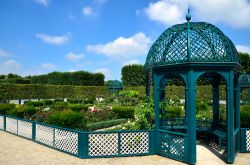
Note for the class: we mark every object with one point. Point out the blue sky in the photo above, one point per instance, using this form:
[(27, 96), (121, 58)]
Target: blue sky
[(41, 36)]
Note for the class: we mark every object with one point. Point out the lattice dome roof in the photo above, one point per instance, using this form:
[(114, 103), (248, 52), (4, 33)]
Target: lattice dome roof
[(207, 44)]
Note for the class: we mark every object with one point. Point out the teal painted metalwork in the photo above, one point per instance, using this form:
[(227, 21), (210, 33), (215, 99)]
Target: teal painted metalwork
[(245, 83), (115, 85)]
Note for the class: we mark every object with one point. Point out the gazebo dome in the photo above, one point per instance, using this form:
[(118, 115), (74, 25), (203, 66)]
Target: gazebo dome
[(207, 44)]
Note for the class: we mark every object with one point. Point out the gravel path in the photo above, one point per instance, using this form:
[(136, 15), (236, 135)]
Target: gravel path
[(15, 150)]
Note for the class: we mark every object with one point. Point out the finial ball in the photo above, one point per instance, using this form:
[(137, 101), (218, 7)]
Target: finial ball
[(188, 17)]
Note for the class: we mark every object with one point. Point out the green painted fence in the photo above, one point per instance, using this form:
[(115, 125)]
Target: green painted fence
[(245, 140), (82, 144)]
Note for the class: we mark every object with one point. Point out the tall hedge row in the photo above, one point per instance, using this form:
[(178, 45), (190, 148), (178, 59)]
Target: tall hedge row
[(80, 78), (133, 75), (27, 91)]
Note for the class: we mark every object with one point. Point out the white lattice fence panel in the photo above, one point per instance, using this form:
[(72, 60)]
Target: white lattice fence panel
[(11, 125), (44, 134), (248, 140), (134, 143), (25, 129), (66, 141), (1, 122), (103, 144)]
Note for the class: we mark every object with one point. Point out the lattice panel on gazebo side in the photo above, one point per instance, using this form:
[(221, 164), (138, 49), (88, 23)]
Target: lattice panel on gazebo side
[(172, 145)]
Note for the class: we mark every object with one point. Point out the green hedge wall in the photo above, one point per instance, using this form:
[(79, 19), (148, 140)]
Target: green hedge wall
[(28, 91), (133, 75)]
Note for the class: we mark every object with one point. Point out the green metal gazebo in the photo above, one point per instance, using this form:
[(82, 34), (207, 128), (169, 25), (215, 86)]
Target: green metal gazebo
[(115, 85), (189, 51)]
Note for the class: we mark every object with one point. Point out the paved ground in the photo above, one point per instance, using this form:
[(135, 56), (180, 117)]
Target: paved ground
[(15, 150)]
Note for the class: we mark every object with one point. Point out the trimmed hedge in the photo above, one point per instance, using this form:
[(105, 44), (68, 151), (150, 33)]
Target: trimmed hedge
[(105, 124), (80, 78), (29, 91), (133, 75), (124, 111)]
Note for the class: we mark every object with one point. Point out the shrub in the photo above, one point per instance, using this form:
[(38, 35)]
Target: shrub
[(173, 111), (105, 124), (78, 107), (60, 106), (34, 103), (101, 115), (245, 116), (68, 119), (5, 108), (18, 111), (124, 111), (144, 116)]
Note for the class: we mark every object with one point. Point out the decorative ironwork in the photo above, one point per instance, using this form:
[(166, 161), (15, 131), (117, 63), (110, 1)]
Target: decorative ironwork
[(207, 44), (25, 129), (66, 141), (103, 144), (45, 134), (134, 143), (172, 145)]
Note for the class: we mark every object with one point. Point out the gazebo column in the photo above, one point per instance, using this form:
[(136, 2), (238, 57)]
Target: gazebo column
[(216, 103), (237, 109), (230, 118), (191, 117), (157, 113)]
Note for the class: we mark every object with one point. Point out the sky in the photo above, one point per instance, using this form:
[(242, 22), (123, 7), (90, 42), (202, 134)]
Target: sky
[(42, 36)]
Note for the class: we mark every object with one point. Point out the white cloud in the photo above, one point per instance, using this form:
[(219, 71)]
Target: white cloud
[(48, 66), (10, 66), (4, 53), (72, 17), (243, 48), (74, 57), (106, 71), (87, 11), (134, 61), (231, 12), (166, 12), (43, 2), (54, 40), (123, 47)]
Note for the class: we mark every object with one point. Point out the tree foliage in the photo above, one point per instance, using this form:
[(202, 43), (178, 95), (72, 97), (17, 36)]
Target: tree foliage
[(245, 61), (133, 75)]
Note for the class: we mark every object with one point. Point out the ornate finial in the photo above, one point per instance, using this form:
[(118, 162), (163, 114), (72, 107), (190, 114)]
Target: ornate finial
[(188, 16)]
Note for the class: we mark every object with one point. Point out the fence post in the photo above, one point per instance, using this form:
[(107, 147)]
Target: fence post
[(119, 143), (4, 123), (33, 131), (82, 145), (151, 142), (242, 140)]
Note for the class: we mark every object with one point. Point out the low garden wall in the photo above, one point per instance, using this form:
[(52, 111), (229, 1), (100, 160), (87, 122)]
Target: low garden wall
[(82, 144)]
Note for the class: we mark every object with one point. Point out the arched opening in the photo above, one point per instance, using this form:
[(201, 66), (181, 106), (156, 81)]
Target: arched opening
[(211, 113)]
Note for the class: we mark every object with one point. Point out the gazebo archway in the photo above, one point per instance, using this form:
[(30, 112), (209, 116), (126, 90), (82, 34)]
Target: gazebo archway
[(189, 51)]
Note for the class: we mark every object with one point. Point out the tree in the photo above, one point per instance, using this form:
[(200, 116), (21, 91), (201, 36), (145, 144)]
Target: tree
[(245, 61), (133, 75)]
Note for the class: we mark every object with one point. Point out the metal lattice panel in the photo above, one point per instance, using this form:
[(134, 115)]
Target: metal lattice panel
[(25, 129), (103, 144), (172, 145), (207, 44), (11, 125), (134, 143), (248, 140), (66, 141), (1, 122), (44, 134)]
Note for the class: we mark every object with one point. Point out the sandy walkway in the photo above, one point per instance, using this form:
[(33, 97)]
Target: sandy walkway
[(15, 150)]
